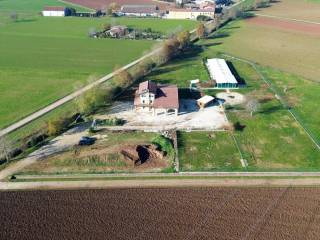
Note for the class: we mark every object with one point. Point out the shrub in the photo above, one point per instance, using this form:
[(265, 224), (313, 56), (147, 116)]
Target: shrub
[(56, 126), (203, 18), (164, 144), (92, 99), (123, 78)]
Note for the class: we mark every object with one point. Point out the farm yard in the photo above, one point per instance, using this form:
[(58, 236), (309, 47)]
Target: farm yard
[(262, 136), (60, 51), (114, 152), (162, 213)]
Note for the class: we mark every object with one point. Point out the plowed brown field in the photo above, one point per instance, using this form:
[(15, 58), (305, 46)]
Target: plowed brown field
[(102, 4), (173, 213), (305, 28)]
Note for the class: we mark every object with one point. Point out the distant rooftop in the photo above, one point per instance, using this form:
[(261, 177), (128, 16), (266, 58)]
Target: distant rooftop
[(139, 8), (53, 8)]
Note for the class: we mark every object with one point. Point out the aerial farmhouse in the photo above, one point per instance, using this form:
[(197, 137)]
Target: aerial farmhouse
[(221, 74), (118, 31), (50, 11), (157, 100)]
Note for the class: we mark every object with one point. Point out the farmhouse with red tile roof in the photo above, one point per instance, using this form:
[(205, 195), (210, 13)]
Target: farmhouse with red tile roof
[(156, 99)]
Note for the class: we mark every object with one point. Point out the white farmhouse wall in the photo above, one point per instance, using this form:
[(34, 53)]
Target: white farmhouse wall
[(53, 13), (187, 15)]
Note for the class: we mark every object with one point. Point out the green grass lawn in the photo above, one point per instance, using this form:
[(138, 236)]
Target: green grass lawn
[(208, 151), (301, 94), (33, 5), (272, 140), (44, 59)]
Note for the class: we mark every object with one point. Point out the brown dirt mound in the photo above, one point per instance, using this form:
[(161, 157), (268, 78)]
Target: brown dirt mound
[(139, 154), (287, 25)]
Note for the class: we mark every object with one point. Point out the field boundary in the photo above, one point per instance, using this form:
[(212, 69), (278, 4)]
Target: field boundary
[(147, 183), (280, 99)]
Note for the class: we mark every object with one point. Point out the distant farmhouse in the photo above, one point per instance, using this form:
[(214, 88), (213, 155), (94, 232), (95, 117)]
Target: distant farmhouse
[(157, 99), (140, 10), (118, 31), (189, 13), (221, 74), (53, 12)]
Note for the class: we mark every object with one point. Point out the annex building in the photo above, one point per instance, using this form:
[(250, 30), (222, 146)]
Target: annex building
[(219, 71)]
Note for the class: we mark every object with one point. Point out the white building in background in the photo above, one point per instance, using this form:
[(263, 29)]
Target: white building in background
[(182, 13), (220, 72), (53, 11)]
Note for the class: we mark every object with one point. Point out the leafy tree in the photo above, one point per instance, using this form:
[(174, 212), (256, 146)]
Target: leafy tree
[(184, 39), (123, 78), (114, 6), (106, 26), (91, 100)]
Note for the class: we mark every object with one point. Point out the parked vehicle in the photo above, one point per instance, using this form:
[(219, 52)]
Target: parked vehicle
[(86, 141)]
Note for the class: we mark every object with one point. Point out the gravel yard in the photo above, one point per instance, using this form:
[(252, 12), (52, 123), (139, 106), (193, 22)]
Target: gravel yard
[(190, 117)]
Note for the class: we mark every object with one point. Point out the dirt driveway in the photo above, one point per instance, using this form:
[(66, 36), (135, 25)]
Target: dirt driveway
[(189, 117), (59, 144)]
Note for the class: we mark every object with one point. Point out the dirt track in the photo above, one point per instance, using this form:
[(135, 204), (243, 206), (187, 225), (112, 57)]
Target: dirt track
[(196, 213)]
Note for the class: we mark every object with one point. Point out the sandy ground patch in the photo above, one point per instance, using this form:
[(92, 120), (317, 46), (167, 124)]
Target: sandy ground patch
[(190, 117), (231, 98)]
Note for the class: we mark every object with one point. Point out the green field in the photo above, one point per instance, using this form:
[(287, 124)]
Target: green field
[(43, 59), (208, 151), (32, 6)]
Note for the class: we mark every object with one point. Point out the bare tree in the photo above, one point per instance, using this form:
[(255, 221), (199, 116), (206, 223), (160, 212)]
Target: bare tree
[(184, 39), (252, 106), (201, 31), (5, 148), (123, 78), (14, 16)]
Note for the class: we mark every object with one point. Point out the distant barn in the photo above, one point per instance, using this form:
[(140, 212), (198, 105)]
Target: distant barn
[(140, 10), (50, 11)]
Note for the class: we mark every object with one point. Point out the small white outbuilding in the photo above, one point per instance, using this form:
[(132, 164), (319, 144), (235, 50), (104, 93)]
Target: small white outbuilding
[(204, 101), (53, 11)]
